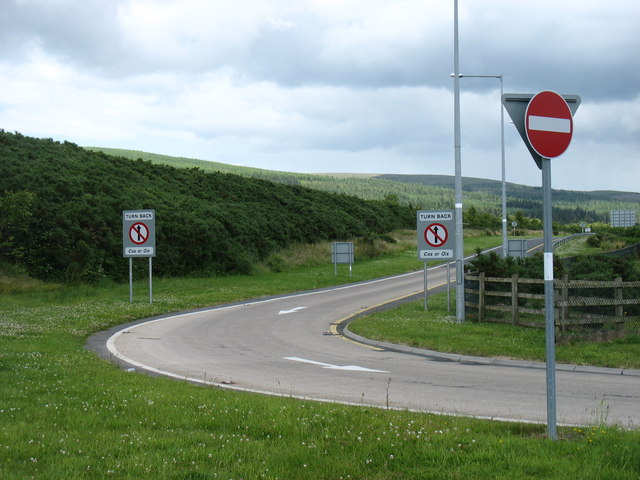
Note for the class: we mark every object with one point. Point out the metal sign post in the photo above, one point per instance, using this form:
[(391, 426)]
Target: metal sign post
[(448, 287), (545, 123), (139, 240), (426, 296), (130, 280), (549, 307)]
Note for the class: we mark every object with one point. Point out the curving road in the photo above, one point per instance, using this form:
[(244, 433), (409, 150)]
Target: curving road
[(294, 346)]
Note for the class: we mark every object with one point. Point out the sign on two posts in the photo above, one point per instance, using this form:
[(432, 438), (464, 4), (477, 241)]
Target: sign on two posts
[(139, 240), (435, 229), (342, 252), (139, 233)]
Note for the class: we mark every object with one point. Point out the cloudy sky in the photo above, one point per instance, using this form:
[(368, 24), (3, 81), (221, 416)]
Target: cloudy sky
[(326, 85)]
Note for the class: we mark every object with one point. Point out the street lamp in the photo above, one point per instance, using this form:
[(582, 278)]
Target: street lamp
[(457, 183), (504, 182)]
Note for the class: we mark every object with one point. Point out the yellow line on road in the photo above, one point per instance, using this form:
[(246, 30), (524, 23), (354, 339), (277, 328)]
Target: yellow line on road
[(334, 326)]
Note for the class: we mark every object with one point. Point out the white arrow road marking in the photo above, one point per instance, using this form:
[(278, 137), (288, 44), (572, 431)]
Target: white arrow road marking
[(293, 310), (352, 368)]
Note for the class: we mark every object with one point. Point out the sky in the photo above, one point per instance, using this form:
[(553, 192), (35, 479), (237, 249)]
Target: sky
[(359, 86)]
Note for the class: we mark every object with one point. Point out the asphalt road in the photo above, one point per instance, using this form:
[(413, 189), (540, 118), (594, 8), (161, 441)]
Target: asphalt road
[(294, 346)]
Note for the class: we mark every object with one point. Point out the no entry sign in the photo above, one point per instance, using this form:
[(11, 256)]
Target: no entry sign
[(517, 104), (549, 124)]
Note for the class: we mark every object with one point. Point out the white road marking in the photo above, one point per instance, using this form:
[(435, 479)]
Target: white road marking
[(293, 310), (351, 368)]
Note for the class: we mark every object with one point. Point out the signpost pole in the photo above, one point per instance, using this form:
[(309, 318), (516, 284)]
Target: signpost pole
[(448, 287), (130, 279), (425, 286), (549, 310), (150, 281)]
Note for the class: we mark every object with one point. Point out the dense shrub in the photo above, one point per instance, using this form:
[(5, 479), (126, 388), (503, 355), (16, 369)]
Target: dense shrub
[(205, 222), (494, 265), (594, 267)]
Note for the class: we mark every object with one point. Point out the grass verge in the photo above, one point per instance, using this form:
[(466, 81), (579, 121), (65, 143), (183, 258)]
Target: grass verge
[(436, 329), (64, 413)]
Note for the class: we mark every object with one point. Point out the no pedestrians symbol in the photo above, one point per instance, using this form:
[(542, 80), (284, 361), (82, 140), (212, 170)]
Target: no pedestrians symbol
[(436, 235), (139, 233)]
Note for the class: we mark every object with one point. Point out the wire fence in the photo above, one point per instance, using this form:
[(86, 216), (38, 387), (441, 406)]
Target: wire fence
[(584, 310)]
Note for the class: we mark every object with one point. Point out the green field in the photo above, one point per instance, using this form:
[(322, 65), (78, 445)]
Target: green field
[(65, 413)]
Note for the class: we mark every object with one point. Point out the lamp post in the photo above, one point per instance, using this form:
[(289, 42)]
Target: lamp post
[(504, 182), (459, 242)]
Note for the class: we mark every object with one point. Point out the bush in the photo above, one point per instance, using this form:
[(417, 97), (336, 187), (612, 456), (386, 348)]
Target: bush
[(211, 223), (594, 267), (594, 241)]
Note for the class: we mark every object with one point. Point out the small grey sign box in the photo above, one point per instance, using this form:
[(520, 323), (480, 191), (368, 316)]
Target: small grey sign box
[(517, 247), (139, 233), (342, 252)]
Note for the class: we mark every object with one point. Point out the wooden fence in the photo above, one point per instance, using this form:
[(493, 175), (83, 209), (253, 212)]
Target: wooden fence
[(590, 310)]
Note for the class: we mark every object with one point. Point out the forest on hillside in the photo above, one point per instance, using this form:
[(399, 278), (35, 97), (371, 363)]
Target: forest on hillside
[(430, 191), (61, 213), (569, 206)]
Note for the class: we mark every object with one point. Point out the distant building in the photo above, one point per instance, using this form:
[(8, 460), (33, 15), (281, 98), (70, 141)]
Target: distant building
[(623, 218)]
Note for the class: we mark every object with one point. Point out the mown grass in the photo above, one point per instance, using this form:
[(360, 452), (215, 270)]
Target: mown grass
[(436, 329), (65, 413)]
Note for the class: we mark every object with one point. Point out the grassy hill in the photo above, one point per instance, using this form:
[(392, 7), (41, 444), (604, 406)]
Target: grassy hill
[(61, 213), (428, 191)]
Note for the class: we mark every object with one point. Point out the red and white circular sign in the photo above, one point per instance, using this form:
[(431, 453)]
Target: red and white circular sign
[(436, 235), (139, 233), (549, 124)]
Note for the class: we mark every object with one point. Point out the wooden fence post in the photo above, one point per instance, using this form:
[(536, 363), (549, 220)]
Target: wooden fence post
[(617, 294), (515, 320), (481, 297), (563, 311)]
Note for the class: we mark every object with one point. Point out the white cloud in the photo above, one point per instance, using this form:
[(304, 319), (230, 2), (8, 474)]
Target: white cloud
[(307, 85)]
